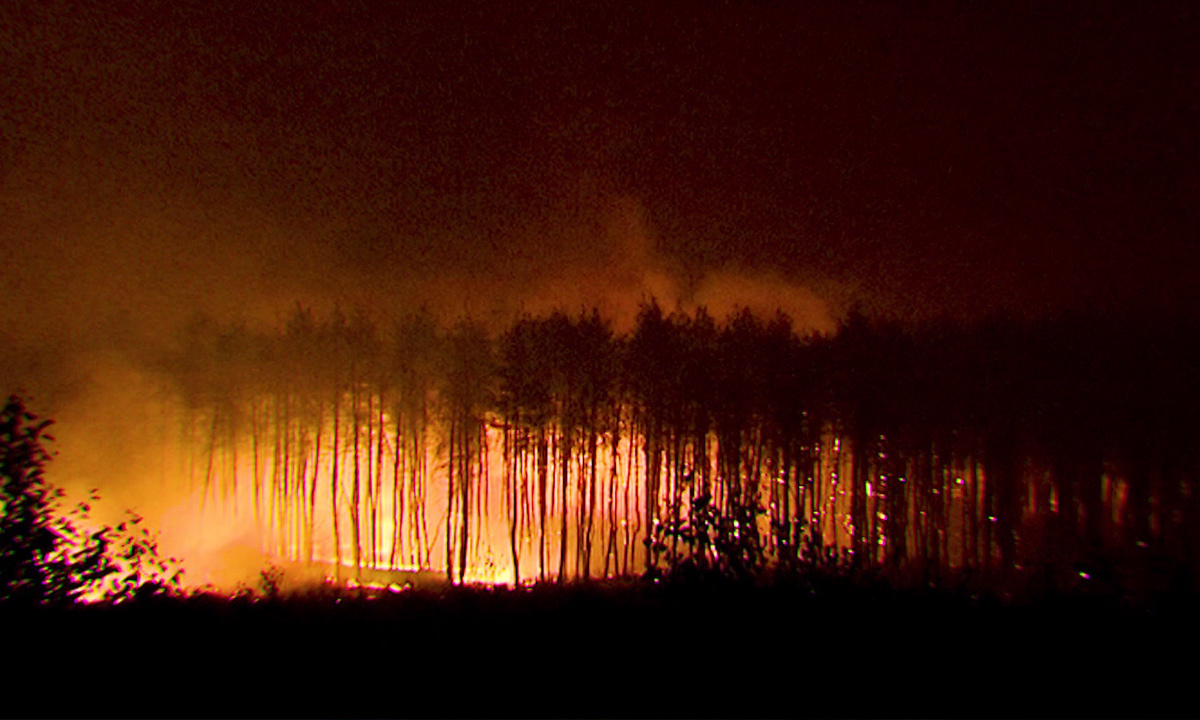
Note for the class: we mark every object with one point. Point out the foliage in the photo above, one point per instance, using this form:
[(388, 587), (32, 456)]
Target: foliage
[(270, 580), (709, 544), (138, 569), (45, 557), (719, 544)]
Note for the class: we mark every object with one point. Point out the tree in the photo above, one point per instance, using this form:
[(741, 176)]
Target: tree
[(44, 557)]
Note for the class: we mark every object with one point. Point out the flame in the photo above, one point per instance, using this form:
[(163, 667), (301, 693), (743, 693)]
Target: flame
[(227, 538)]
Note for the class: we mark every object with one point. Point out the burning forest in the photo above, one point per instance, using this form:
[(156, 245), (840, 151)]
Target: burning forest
[(599, 359), (445, 487), (1051, 455)]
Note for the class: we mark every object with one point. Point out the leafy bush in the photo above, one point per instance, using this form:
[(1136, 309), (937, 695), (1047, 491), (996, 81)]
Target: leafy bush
[(45, 557), (710, 544), (717, 545)]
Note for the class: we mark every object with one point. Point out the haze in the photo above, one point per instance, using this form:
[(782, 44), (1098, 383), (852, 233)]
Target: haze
[(160, 162)]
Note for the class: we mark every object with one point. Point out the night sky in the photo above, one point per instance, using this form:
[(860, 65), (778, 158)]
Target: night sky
[(920, 160)]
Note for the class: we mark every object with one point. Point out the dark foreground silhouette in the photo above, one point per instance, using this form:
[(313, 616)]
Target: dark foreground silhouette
[(628, 649)]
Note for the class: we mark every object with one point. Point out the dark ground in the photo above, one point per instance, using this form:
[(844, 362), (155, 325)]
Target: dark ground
[(630, 650)]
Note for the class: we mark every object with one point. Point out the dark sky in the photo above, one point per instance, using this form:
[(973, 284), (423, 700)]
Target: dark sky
[(918, 158)]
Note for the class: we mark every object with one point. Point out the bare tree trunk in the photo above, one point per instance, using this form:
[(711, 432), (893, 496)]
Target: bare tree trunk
[(397, 494), (610, 548), (510, 493), (653, 463), (312, 490), (543, 463), (564, 456), (255, 431), (333, 489), (591, 505), (464, 477), (376, 534), (631, 531), (212, 441), (355, 515)]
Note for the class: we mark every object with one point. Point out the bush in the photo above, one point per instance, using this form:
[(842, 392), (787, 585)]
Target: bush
[(714, 544), (45, 558), (711, 544)]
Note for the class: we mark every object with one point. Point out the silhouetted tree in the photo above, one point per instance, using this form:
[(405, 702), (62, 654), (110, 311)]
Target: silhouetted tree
[(44, 556)]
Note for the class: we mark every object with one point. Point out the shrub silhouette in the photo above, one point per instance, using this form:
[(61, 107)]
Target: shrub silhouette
[(44, 557), (719, 544)]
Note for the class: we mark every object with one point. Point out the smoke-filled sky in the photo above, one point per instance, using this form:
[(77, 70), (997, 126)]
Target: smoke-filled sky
[(162, 160), (159, 159)]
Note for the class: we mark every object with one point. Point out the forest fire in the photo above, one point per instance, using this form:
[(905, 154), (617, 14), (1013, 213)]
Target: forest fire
[(742, 356), (557, 450)]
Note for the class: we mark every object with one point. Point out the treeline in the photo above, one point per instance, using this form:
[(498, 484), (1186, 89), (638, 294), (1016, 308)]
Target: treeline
[(1060, 451)]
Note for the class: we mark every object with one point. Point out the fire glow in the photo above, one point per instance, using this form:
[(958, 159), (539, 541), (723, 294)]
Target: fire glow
[(558, 451)]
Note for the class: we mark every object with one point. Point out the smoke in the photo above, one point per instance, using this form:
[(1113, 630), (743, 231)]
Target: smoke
[(610, 261), (104, 267), (725, 292), (160, 164)]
